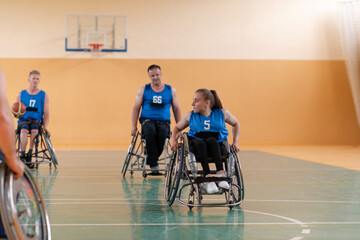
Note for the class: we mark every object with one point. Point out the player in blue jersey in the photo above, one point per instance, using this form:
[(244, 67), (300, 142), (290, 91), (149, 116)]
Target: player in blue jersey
[(7, 138), (37, 112), (154, 100), (207, 131)]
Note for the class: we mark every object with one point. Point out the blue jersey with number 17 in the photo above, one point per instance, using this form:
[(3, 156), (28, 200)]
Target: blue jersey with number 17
[(34, 105), (156, 105), (215, 122)]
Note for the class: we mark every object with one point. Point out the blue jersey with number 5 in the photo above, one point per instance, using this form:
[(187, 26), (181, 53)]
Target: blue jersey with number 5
[(156, 105), (215, 122), (34, 105)]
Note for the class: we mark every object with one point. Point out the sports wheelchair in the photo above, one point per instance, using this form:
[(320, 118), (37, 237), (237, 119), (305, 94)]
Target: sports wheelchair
[(44, 150), (182, 179), (136, 156), (22, 207)]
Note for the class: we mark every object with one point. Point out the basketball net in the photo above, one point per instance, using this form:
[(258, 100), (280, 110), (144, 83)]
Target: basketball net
[(95, 49)]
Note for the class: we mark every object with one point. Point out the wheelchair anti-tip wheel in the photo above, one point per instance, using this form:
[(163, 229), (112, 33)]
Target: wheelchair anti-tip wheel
[(22, 207)]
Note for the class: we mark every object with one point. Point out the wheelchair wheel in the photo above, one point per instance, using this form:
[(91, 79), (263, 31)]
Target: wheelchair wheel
[(237, 195), (51, 149), (176, 170), (169, 177), (129, 154), (17, 142), (22, 207)]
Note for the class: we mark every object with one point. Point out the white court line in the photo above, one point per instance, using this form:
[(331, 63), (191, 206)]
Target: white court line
[(277, 216), (302, 224), (293, 169), (296, 238), (102, 199), (107, 203), (303, 201), (157, 199), (196, 224)]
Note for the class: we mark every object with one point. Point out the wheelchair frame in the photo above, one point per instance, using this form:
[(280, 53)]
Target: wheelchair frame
[(136, 156), (22, 207), (180, 170), (46, 154)]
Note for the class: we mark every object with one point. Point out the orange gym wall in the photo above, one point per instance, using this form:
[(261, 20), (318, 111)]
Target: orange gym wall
[(276, 102), (277, 65)]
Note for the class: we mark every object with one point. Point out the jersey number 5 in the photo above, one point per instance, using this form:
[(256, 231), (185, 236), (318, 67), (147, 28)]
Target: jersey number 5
[(207, 124)]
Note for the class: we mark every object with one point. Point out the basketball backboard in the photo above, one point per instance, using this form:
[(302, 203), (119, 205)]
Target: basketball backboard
[(85, 31)]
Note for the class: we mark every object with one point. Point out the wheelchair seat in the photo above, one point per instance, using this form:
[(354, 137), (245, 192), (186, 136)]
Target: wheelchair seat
[(44, 150), (22, 207)]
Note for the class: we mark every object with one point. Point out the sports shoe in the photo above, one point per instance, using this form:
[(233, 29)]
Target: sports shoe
[(23, 157), (224, 174), (155, 173), (155, 168), (29, 159), (224, 184), (211, 187)]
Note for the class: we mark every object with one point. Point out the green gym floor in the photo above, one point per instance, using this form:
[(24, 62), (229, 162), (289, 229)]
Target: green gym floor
[(285, 198)]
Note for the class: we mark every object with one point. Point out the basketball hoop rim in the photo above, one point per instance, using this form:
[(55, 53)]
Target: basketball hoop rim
[(95, 46)]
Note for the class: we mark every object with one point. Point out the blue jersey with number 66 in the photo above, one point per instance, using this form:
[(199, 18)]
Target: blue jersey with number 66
[(156, 105)]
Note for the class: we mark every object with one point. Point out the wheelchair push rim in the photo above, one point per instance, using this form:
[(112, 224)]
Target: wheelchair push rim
[(175, 171), (23, 209)]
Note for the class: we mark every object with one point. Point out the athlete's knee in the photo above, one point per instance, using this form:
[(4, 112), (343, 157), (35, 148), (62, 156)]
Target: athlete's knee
[(34, 132), (24, 132), (199, 144)]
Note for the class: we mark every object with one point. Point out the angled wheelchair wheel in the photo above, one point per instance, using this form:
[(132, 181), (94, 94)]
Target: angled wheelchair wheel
[(169, 178), (17, 141), (22, 207), (129, 153), (176, 170), (50, 149), (238, 194)]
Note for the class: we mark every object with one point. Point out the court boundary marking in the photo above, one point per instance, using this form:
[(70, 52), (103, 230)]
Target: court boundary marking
[(198, 224), (106, 200)]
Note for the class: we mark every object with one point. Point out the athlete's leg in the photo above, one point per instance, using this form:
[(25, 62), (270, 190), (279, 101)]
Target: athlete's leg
[(23, 139), (148, 132), (198, 147), (34, 129), (33, 134), (162, 132), (24, 131), (214, 150)]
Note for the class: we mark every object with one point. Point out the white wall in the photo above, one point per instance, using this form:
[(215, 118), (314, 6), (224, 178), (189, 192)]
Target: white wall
[(187, 29)]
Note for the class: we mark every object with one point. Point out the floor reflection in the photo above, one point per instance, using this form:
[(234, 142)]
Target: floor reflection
[(154, 218)]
